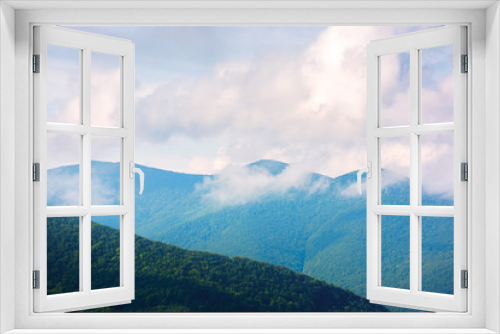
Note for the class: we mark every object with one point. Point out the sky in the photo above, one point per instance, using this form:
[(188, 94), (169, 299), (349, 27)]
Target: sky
[(210, 99)]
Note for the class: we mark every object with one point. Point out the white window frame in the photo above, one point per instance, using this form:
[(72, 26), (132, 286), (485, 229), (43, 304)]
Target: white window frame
[(415, 297), (86, 297), (483, 314)]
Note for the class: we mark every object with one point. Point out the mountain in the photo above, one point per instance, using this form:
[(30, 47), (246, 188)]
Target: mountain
[(272, 212), (171, 279)]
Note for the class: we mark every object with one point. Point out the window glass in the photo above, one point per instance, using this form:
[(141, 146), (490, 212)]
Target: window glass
[(395, 89), (105, 253), (63, 84), (437, 84), (395, 170), (437, 254), (63, 169), (63, 255), (437, 169), (105, 170), (395, 234), (105, 82)]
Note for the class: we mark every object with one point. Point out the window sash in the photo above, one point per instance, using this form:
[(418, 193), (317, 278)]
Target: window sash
[(414, 297), (86, 297)]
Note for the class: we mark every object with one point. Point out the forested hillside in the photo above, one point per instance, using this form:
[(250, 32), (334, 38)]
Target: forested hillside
[(316, 230), (171, 279)]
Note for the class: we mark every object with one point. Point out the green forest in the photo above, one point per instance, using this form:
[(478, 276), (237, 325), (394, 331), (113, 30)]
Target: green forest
[(172, 279)]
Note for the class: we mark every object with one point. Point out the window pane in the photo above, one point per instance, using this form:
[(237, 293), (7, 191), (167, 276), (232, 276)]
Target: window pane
[(437, 84), (106, 175), (437, 254), (395, 251), (63, 169), (63, 84), (105, 90), (395, 164), (437, 169), (105, 252), (63, 255), (395, 89)]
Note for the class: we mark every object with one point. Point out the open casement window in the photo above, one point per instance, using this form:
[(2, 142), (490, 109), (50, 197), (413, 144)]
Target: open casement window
[(68, 133), (422, 129)]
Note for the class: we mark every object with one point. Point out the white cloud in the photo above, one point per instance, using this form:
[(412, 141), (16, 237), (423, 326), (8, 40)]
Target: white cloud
[(352, 190), (105, 96), (63, 188), (289, 107), (303, 106), (237, 185), (437, 164), (388, 179)]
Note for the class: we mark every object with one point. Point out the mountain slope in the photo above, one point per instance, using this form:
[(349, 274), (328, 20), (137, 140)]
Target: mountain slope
[(316, 227), (171, 279)]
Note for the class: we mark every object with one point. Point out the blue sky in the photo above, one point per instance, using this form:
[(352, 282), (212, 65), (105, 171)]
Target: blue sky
[(212, 97)]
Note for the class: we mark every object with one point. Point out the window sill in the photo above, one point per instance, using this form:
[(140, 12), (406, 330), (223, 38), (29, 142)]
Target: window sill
[(250, 331)]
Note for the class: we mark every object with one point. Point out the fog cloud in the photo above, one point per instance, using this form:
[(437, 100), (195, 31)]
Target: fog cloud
[(238, 185)]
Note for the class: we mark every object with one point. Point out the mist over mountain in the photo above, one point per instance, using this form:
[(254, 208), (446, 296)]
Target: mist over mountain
[(280, 214)]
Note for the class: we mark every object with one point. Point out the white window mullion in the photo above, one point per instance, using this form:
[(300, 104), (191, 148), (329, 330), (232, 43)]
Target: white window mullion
[(127, 225), (84, 105), (414, 172), (86, 236), (373, 191)]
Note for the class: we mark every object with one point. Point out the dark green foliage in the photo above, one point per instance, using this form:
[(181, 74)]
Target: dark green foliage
[(63, 243), (105, 257), (171, 279), (63, 249)]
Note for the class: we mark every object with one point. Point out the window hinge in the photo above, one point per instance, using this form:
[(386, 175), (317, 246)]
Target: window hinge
[(465, 64), (36, 172), (36, 279), (465, 279), (36, 63), (464, 171)]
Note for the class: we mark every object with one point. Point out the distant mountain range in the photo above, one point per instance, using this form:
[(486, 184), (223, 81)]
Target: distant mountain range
[(276, 213)]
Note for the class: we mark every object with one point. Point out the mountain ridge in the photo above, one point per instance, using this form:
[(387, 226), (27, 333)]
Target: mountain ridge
[(319, 231)]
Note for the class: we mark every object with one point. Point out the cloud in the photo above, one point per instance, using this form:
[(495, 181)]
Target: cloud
[(307, 104), (62, 149), (63, 85), (352, 190), (103, 191), (63, 188), (238, 185), (388, 179), (300, 104), (437, 164), (105, 96)]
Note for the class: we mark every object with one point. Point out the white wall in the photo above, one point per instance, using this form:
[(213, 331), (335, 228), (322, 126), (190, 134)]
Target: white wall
[(7, 160), (492, 163)]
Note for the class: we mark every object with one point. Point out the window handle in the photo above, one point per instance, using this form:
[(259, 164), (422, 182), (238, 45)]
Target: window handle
[(134, 170), (368, 171)]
